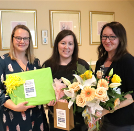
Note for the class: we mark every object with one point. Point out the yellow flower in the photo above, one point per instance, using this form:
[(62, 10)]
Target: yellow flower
[(116, 79), (88, 93), (12, 82), (82, 76), (74, 86), (88, 74), (102, 83), (80, 101)]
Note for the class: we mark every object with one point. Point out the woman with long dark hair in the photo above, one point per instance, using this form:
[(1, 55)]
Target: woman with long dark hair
[(112, 53), (63, 62)]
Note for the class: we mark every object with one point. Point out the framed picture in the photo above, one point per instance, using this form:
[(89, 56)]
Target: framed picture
[(97, 20), (61, 20), (10, 18)]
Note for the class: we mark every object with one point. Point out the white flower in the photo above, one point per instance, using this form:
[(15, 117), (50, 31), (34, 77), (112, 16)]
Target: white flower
[(90, 82), (34, 68), (72, 95), (113, 85), (78, 78), (66, 81), (118, 90), (94, 105), (87, 82)]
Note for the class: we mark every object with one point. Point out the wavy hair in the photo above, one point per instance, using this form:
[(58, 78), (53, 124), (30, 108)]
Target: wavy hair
[(120, 32)]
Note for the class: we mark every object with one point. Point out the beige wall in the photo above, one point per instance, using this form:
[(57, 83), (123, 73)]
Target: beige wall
[(124, 13)]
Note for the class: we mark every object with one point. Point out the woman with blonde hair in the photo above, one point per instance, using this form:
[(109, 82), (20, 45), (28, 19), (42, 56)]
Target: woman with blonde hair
[(20, 58)]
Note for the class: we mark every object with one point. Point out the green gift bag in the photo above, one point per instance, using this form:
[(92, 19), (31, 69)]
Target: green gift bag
[(43, 86)]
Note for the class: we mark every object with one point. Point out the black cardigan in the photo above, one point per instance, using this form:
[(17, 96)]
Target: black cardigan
[(125, 69)]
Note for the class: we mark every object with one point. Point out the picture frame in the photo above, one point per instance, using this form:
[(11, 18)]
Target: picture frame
[(10, 18), (97, 20), (68, 19)]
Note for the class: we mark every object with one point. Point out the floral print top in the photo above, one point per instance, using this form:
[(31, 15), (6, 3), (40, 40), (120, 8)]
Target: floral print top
[(33, 119)]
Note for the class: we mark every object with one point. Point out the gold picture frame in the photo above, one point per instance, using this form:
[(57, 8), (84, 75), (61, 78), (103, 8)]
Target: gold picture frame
[(67, 19), (97, 20), (10, 18)]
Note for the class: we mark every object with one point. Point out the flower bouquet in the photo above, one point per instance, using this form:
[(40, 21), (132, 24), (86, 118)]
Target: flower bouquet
[(90, 95)]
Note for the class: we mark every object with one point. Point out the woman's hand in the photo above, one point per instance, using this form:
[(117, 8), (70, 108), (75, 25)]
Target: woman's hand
[(51, 103), (124, 103), (18, 108), (22, 107)]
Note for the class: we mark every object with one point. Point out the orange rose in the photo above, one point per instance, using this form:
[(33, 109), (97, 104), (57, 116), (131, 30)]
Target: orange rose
[(80, 101), (74, 86), (101, 93)]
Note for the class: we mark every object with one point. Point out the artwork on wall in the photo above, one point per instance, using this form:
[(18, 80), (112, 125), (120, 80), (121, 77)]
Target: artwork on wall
[(10, 18), (61, 20), (97, 20)]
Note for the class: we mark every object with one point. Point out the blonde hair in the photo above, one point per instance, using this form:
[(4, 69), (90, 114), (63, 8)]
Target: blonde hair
[(29, 50)]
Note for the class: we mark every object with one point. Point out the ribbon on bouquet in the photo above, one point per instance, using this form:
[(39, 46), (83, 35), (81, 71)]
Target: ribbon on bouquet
[(90, 118)]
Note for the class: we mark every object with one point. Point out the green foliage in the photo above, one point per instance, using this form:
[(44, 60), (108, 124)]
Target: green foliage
[(109, 105), (80, 69), (65, 97), (64, 88), (77, 108)]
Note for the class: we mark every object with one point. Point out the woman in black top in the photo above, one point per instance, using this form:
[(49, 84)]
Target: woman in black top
[(63, 62), (112, 53)]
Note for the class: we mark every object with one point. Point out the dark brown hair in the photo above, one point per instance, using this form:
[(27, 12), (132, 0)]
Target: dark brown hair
[(54, 60), (120, 32)]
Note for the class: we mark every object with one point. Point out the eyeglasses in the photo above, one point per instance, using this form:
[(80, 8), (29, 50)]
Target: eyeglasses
[(104, 37), (19, 39)]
